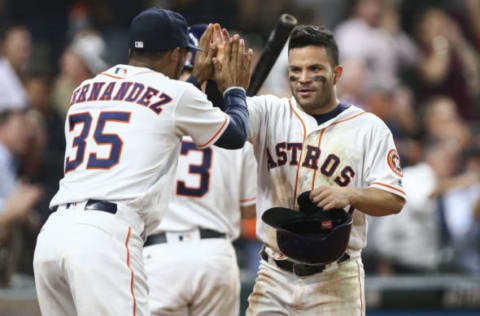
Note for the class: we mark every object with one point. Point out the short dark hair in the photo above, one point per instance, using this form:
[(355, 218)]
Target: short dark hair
[(307, 35)]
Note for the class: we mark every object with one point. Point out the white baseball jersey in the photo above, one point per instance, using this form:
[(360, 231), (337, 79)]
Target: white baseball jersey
[(212, 184), (123, 133), (193, 276), (295, 154)]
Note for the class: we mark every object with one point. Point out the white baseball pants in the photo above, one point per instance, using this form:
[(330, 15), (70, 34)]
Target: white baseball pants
[(337, 291), (197, 277), (89, 263)]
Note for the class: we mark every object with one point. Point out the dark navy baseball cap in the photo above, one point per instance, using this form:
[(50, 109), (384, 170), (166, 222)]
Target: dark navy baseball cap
[(158, 29)]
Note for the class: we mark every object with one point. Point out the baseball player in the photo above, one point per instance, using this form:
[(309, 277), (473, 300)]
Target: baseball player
[(123, 134), (189, 259), (345, 156)]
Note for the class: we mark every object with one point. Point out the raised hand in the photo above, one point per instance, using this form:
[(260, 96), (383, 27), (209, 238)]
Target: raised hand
[(232, 65), (203, 66)]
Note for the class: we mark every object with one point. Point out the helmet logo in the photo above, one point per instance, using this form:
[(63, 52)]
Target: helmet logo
[(327, 225)]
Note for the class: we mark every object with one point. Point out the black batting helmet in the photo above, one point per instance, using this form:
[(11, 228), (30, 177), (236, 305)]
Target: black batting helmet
[(310, 235)]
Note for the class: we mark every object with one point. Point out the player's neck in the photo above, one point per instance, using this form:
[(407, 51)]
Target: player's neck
[(328, 107), (158, 66)]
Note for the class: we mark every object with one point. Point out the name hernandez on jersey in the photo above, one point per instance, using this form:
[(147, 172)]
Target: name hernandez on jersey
[(123, 132), (138, 94), (296, 154)]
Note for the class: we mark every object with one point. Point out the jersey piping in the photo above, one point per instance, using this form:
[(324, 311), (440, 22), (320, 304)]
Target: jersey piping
[(132, 278), (215, 136), (248, 200), (112, 76), (319, 143), (300, 159), (388, 186)]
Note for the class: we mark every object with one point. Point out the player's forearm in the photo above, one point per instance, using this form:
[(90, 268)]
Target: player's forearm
[(375, 202), (236, 133)]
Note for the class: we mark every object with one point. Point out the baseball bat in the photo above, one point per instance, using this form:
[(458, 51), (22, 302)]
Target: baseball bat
[(277, 39)]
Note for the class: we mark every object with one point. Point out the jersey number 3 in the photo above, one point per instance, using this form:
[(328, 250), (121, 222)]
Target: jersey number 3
[(100, 138), (202, 170)]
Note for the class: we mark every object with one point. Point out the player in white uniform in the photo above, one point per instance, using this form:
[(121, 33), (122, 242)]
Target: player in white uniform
[(123, 133), (347, 158), (189, 260)]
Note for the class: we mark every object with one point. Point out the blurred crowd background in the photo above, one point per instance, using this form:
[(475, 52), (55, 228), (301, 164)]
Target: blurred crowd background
[(415, 64)]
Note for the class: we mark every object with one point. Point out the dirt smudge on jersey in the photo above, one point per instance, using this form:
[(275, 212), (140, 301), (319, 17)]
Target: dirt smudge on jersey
[(282, 191)]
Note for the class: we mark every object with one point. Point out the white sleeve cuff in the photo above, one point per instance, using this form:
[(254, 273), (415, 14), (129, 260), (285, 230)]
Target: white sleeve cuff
[(234, 87)]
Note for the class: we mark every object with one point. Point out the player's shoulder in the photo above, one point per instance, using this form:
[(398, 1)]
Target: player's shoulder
[(375, 123), (142, 75), (366, 116), (364, 120)]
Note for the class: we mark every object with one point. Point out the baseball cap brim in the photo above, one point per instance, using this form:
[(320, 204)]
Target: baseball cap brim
[(285, 219)]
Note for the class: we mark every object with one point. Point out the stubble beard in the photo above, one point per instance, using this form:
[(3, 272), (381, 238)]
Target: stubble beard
[(321, 101)]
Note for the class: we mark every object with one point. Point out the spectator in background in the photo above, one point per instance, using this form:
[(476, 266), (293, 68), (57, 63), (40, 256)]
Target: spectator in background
[(448, 64), (410, 242), (47, 168), (462, 218), (17, 197), (325, 12), (352, 88), (82, 60), (473, 10), (395, 107), (15, 43), (441, 120), (373, 36), (408, 141)]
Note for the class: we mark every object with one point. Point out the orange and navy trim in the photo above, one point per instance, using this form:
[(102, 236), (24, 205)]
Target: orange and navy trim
[(132, 278), (214, 137), (300, 158), (390, 187)]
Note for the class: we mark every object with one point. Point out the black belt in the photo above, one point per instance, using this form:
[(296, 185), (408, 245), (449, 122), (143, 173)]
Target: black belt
[(161, 238), (95, 205), (298, 269)]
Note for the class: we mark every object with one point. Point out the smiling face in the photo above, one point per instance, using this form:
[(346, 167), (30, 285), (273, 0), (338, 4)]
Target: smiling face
[(312, 78)]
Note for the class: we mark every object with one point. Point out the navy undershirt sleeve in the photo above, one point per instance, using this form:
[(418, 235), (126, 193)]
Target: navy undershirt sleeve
[(194, 81), (235, 134)]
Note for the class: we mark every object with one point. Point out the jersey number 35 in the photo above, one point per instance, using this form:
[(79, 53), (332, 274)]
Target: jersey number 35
[(99, 137)]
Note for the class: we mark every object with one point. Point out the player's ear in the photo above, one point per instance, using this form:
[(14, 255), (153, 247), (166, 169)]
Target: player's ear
[(337, 73)]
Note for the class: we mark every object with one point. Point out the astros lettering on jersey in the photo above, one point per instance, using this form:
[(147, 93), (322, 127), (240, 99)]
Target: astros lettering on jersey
[(295, 154)]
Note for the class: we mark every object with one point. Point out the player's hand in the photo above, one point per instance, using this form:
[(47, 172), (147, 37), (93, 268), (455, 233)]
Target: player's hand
[(221, 39), (203, 65), (329, 197), (232, 64)]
